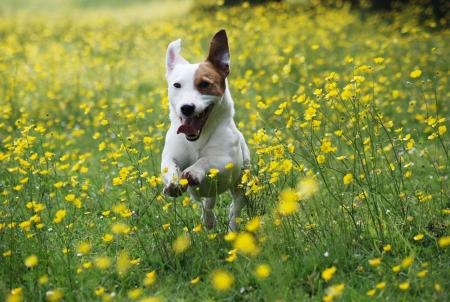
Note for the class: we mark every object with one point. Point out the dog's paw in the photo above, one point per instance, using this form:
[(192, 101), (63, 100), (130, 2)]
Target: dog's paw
[(194, 177), (174, 190)]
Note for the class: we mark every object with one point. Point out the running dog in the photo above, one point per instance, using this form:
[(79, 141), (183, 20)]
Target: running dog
[(203, 137)]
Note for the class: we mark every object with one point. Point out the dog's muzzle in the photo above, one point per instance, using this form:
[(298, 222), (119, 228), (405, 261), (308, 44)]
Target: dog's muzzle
[(191, 126)]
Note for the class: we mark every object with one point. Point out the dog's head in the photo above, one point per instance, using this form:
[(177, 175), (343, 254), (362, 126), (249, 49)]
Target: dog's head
[(194, 89)]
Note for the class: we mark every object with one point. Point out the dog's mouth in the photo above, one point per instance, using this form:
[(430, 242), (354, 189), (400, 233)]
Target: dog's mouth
[(192, 126)]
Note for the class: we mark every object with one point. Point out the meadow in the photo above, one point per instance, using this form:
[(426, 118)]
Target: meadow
[(346, 116)]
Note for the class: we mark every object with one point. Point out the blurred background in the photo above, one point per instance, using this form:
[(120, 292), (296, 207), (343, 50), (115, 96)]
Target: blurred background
[(154, 8)]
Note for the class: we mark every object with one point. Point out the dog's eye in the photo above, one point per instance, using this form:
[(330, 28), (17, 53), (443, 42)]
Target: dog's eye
[(203, 84), (177, 85)]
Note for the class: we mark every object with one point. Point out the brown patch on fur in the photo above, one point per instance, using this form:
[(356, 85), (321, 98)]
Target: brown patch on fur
[(208, 73)]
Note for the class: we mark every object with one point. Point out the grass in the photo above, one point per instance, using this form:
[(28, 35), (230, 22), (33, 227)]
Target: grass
[(346, 119)]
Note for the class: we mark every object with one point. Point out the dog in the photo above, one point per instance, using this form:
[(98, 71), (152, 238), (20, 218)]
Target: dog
[(203, 136)]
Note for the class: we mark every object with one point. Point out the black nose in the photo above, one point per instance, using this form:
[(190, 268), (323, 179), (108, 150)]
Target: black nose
[(188, 110)]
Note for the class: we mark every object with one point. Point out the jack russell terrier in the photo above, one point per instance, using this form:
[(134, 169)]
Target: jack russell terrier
[(202, 135)]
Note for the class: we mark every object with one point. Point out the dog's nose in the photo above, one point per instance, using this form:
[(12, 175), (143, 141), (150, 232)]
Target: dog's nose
[(188, 110)]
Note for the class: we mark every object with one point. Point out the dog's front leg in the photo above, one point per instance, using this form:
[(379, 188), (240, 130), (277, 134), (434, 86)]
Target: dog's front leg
[(171, 176), (196, 173)]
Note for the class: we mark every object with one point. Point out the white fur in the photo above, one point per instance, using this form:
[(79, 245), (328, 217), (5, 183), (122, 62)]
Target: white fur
[(219, 144)]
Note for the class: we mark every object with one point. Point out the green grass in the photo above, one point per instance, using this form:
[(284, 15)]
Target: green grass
[(83, 118)]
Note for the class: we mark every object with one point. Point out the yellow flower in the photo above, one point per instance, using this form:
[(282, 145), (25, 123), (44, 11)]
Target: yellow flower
[(286, 166), (197, 228), (327, 147), (43, 279), (320, 159), (442, 129), (25, 225), (233, 255), (378, 60), (16, 295), (117, 181), (371, 292), (253, 225), (229, 166), (150, 278), (195, 280), (348, 178), (183, 182), (418, 237), (245, 243), (288, 202), (107, 237), (101, 146), (422, 274), (328, 273), (415, 74), (84, 248), (375, 262), (444, 241), (307, 187), (230, 236), (102, 262), (222, 280), (120, 228), (213, 172), (58, 185), (333, 292), (54, 295), (123, 262), (70, 197), (381, 285), (275, 78), (403, 285), (181, 244), (387, 248), (59, 216), (135, 293), (185, 201), (262, 271), (31, 261), (407, 261)]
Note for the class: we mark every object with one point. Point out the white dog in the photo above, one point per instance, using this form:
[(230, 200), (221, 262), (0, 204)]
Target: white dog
[(202, 134)]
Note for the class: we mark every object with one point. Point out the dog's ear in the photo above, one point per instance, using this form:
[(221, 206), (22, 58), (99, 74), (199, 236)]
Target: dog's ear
[(219, 53), (173, 56)]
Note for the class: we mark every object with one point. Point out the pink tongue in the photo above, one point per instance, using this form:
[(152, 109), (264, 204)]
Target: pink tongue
[(187, 129), (190, 127)]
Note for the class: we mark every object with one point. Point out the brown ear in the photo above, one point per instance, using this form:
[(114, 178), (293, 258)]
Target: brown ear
[(219, 53)]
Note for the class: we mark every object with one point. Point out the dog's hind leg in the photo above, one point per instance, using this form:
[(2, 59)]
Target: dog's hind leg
[(209, 219), (239, 201)]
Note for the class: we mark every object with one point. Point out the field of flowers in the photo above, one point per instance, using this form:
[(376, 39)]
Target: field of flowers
[(346, 115)]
